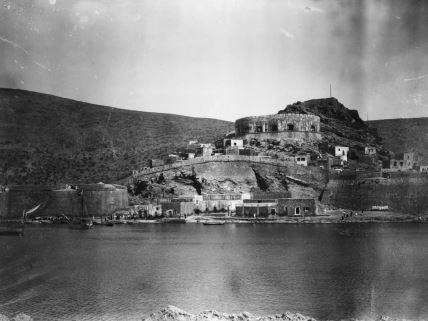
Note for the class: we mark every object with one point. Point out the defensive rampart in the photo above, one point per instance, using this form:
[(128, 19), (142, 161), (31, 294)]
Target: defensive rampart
[(235, 165), (406, 193), (209, 159), (281, 126), (91, 200)]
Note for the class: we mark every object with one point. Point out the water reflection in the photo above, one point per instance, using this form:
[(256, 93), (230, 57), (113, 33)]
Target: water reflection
[(325, 271)]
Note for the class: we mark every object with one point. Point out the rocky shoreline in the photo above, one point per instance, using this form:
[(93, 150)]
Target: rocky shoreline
[(172, 313)]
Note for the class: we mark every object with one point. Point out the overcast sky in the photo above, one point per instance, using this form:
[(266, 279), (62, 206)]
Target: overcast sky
[(220, 58)]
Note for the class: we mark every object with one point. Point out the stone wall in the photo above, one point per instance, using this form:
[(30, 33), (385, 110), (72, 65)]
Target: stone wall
[(288, 136), (209, 159), (99, 203), (256, 209), (287, 207), (277, 123), (20, 198), (404, 192), (94, 201)]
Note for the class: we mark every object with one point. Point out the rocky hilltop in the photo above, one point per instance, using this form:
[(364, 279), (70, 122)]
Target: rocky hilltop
[(339, 124), (46, 139)]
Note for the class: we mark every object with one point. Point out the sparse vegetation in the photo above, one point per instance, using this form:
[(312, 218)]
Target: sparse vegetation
[(65, 141)]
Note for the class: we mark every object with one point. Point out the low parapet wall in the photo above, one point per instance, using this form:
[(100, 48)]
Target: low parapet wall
[(219, 158)]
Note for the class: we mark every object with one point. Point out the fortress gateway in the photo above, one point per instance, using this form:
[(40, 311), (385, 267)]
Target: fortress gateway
[(280, 126)]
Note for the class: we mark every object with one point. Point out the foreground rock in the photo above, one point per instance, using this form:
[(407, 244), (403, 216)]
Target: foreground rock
[(18, 317), (172, 313)]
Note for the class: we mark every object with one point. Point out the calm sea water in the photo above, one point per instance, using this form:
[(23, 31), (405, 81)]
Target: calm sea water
[(126, 272)]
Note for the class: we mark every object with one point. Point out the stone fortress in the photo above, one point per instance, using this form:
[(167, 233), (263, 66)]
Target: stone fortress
[(288, 126)]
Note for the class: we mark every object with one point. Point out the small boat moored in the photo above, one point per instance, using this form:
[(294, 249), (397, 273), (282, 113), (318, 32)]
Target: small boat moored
[(214, 222), (174, 220)]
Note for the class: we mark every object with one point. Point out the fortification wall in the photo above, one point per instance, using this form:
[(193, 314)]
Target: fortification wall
[(99, 203), (277, 123), (287, 135), (406, 194), (3, 204), (209, 159), (62, 202), (18, 199)]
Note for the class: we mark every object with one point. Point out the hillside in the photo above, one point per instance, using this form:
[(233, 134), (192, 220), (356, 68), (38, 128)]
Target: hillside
[(402, 135), (46, 139)]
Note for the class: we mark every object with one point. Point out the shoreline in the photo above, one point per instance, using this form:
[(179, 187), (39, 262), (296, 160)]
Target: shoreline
[(331, 217)]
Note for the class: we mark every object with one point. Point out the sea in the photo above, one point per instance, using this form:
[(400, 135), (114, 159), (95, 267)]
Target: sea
[(126, 272)]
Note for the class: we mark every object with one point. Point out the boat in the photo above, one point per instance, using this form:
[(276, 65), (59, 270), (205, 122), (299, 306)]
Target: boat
[(214, 222), (174, 220), (87, 224), (16, 226)]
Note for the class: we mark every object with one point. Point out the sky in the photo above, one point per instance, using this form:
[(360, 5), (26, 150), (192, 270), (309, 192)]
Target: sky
[(222, 59)]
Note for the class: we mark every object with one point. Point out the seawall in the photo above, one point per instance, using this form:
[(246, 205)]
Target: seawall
[(402, 192), (94, 200)]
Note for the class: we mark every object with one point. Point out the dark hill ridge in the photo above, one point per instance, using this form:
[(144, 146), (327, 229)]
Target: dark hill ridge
[(339, 125), (46, 139), (402, 135)]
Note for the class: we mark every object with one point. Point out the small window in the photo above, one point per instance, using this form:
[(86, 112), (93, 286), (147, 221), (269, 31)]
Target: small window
[(234, 144), (274, 128), (312, 128), (401, 163), (290, 127), (259, 129)]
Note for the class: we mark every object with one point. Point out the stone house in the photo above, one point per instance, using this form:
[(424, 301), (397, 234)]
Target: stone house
[(178, 207), (222, 202), (281, 207), (237, 143), (342, 152), (296, 207), (148, 211), (423, 168), (257, 208), (302, 160), (369, 150), (403, 162), (156, 162)]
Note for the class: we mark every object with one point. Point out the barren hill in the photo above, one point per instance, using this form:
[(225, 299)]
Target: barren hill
[(46, 139), (402, 135)]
